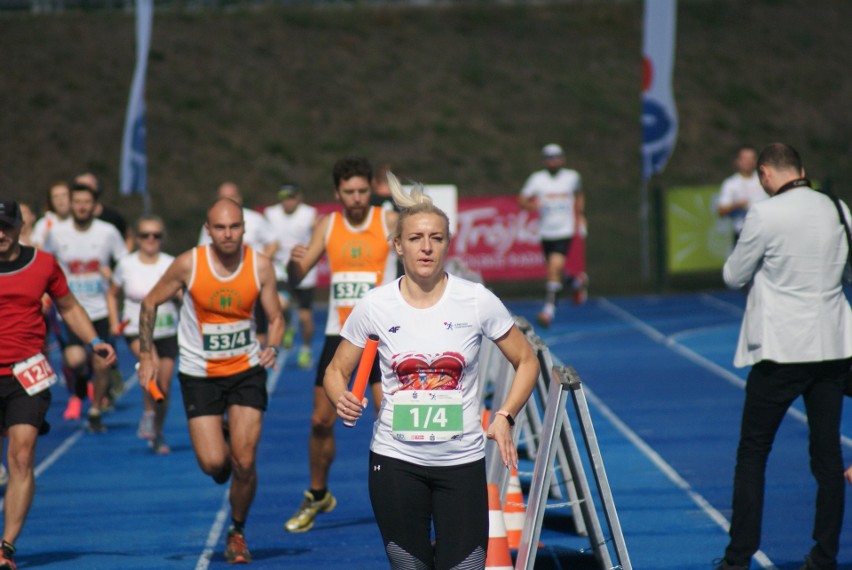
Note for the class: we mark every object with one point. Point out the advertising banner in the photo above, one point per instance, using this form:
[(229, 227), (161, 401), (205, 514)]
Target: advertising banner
[(697, 239), (494, 238)]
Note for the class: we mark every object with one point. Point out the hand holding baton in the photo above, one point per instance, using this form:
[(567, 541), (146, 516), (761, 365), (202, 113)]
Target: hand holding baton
[(364, 368), (152, 388)]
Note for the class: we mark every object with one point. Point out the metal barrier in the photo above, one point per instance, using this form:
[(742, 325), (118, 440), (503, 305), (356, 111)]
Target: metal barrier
[(549, 439)]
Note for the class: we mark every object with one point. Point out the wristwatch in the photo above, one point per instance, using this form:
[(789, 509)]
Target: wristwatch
[(508, 417)]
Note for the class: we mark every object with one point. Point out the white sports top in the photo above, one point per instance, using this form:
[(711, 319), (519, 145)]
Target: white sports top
[(556, 193), (85, 257), (435, 348), (736, 188), (136, 280), (290, 230)]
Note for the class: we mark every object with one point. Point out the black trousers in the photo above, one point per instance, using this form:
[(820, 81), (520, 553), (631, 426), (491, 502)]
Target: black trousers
[(409, 499), (770, 390)]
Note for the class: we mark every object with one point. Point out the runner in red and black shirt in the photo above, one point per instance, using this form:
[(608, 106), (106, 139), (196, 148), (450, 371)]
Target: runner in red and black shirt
[(26, 274)]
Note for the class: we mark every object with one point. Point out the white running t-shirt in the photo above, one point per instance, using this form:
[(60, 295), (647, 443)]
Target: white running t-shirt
[(430, 350), (289, 230), (556, 194), (136, 280), (85, 257)]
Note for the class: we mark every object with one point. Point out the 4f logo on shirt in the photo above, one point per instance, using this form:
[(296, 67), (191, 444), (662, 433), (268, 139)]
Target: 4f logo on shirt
[(394, 329), (225, 300)]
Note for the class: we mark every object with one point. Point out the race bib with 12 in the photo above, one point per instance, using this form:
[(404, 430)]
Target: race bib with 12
[(35, 374)]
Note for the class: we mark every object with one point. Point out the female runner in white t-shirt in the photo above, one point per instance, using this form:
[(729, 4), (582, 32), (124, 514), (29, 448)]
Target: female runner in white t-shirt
[(134, 276), (427, 455)]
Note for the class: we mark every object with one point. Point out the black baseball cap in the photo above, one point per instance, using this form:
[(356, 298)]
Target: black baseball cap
[(287, 191), (10, 213)]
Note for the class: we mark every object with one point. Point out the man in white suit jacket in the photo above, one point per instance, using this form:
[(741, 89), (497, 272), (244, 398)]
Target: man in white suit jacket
[(797, 335)]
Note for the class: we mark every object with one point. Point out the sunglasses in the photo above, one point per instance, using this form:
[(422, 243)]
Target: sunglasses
[(155, 235)]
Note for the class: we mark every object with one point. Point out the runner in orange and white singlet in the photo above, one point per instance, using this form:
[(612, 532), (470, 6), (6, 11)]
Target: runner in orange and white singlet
[(216, 332), (359, 254), (222, 366), (358, 260)]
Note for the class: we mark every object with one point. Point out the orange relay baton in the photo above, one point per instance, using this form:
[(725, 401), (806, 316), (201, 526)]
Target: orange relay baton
[(364, 368), (153, 389)]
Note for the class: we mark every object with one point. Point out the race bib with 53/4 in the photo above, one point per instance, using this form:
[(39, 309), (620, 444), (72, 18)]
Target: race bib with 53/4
[(226, 340)]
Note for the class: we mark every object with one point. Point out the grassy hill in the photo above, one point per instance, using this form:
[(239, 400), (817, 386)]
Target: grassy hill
[(465, 95)]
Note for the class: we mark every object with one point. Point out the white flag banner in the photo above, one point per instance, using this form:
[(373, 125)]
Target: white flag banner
[(659, 116), (134, 161)]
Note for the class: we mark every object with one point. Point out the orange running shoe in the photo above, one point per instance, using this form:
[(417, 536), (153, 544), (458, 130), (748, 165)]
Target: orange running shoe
[(236, 551)]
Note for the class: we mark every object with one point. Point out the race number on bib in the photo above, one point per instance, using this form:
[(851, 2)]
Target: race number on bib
[(347, 288), (226, 340), (35, 374), (424, 415)]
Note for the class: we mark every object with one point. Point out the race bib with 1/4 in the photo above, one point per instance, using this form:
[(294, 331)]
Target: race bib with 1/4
[(226, 340), (35, 374), (427, 415)]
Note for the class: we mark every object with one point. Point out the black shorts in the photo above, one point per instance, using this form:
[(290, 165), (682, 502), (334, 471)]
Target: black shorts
[(68, 338), (409, 499), (559, 246), (304, 298), (212, 396), (167, 347), (18, 407), (328, 350)]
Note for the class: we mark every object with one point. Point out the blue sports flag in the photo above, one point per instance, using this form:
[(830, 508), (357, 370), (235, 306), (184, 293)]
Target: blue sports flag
[(134, 161), (659, 116)]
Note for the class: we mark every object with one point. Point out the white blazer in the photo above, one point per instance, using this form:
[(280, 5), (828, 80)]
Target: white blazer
[(792, 249)]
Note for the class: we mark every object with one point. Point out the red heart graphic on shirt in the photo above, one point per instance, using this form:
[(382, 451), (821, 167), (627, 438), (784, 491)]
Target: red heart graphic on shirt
[(417, 371)]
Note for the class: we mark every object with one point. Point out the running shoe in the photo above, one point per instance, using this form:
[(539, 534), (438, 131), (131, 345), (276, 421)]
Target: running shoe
[(304, 518), (94, 424), (159, 446), (236, 551), (116, 384), (7, 557), (146, 426), (544, 319), (289, 334), (580, 285), (4, 475), (73, 409), (305, 359)]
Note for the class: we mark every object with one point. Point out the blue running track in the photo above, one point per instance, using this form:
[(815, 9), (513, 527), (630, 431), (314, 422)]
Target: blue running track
[(665, 400)]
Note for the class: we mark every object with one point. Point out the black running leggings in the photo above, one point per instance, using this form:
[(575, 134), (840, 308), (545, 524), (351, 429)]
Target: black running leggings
[(407, 499)]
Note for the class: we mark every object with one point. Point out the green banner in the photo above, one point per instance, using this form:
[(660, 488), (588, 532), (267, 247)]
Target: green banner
[(696, 238)]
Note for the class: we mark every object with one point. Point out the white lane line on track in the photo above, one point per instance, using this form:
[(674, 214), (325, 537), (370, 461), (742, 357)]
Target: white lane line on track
[(669, 471), (671, 343), (69, 442), (760, 557), (221, 517)]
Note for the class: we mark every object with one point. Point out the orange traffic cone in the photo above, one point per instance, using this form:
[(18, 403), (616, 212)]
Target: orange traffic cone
[(499, 557), (513, 511)]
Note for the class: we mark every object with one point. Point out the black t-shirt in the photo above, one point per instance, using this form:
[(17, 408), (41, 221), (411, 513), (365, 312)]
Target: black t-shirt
[(111, 216)]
